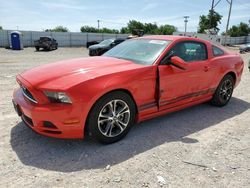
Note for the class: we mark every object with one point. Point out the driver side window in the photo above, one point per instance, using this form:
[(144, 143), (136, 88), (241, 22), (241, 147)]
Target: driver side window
[(190, 51)]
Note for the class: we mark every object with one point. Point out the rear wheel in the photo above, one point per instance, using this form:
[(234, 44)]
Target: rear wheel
[(111, 117), (37, 48), (224, 91)]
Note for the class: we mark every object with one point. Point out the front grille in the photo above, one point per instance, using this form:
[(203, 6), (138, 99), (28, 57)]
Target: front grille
[(28, 95)]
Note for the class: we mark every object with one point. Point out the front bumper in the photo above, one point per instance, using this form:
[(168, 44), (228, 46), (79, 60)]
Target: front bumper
[(53, 120)]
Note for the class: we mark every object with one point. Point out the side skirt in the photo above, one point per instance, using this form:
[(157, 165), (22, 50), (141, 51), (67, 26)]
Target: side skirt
[(172, 109)]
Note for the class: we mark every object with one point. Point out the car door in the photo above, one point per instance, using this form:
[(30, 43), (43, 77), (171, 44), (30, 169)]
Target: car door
[(179, 86)]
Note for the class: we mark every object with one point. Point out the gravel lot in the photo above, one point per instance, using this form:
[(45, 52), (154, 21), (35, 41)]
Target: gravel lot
[(202, 146)]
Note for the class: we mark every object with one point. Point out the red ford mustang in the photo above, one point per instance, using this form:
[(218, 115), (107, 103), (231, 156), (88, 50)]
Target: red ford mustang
[(139, 79)]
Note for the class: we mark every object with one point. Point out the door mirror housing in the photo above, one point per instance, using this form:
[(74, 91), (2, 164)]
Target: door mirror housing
[(178, 62)]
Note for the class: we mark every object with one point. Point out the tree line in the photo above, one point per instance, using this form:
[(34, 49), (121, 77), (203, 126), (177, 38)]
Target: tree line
[(147, 28), (207, 22)]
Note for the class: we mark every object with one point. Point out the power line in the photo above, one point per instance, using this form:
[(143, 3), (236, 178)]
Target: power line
[(212, 12), (230, 2)]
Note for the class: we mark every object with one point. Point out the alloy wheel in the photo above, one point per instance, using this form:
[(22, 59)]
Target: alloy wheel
[(113, 118), (226, 90)]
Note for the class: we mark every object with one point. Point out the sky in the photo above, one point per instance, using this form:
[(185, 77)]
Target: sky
[(46, 14)]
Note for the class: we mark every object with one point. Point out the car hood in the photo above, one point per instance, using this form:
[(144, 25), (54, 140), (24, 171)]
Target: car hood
[(65, 74)]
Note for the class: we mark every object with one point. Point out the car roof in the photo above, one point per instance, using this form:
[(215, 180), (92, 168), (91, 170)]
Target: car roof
[(46, 37), (171, 38)]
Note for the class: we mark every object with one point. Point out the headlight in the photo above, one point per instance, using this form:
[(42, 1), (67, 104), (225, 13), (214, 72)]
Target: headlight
[(57, 97)]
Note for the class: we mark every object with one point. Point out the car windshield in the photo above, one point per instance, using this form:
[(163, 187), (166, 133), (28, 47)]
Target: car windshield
[(140, 51), (107, 42), (45, 38)]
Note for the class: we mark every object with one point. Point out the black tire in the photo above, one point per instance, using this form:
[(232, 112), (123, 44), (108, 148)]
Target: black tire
[(37, 48), (224, 91), (50, 48), (94, 127)]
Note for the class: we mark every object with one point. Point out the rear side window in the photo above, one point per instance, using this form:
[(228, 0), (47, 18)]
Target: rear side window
[(190, 51), (217, 51)]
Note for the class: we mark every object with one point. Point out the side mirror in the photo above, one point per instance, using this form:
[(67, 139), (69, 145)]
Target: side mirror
[(178, 62)]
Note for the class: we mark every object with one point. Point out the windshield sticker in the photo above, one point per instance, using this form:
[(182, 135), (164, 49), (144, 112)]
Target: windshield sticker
[(158, 42)]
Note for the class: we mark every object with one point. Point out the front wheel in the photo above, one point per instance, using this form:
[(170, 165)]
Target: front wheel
[(224, 91), (111, 117)]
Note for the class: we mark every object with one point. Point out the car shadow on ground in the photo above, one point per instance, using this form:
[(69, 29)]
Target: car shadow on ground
[(75, 155), (44, 50)]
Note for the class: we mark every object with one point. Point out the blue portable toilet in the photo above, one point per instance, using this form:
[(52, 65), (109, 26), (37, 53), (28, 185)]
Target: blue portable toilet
[(16, 40)]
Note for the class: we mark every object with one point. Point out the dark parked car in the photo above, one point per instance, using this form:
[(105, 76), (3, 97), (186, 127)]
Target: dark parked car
[(92, 43), (104, 46), (47, 43), (245, 48)]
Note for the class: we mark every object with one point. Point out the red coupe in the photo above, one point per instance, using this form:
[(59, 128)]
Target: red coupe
[(137, 80)]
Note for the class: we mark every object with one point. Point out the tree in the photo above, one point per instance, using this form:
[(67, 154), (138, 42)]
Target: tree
[(88, 29), (149, 28), (133, 24), (124, 30), (58, 29), (240, 30), (107, 30), (205, 24), (136, 28), (166, 29), (1, 28)]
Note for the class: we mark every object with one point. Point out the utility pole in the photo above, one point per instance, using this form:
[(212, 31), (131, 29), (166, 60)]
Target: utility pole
[(98, 24), (185, 21), (230, 2), (212, 14)]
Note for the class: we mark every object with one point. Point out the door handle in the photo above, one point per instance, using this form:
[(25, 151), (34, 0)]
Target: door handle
[(206, 68)]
